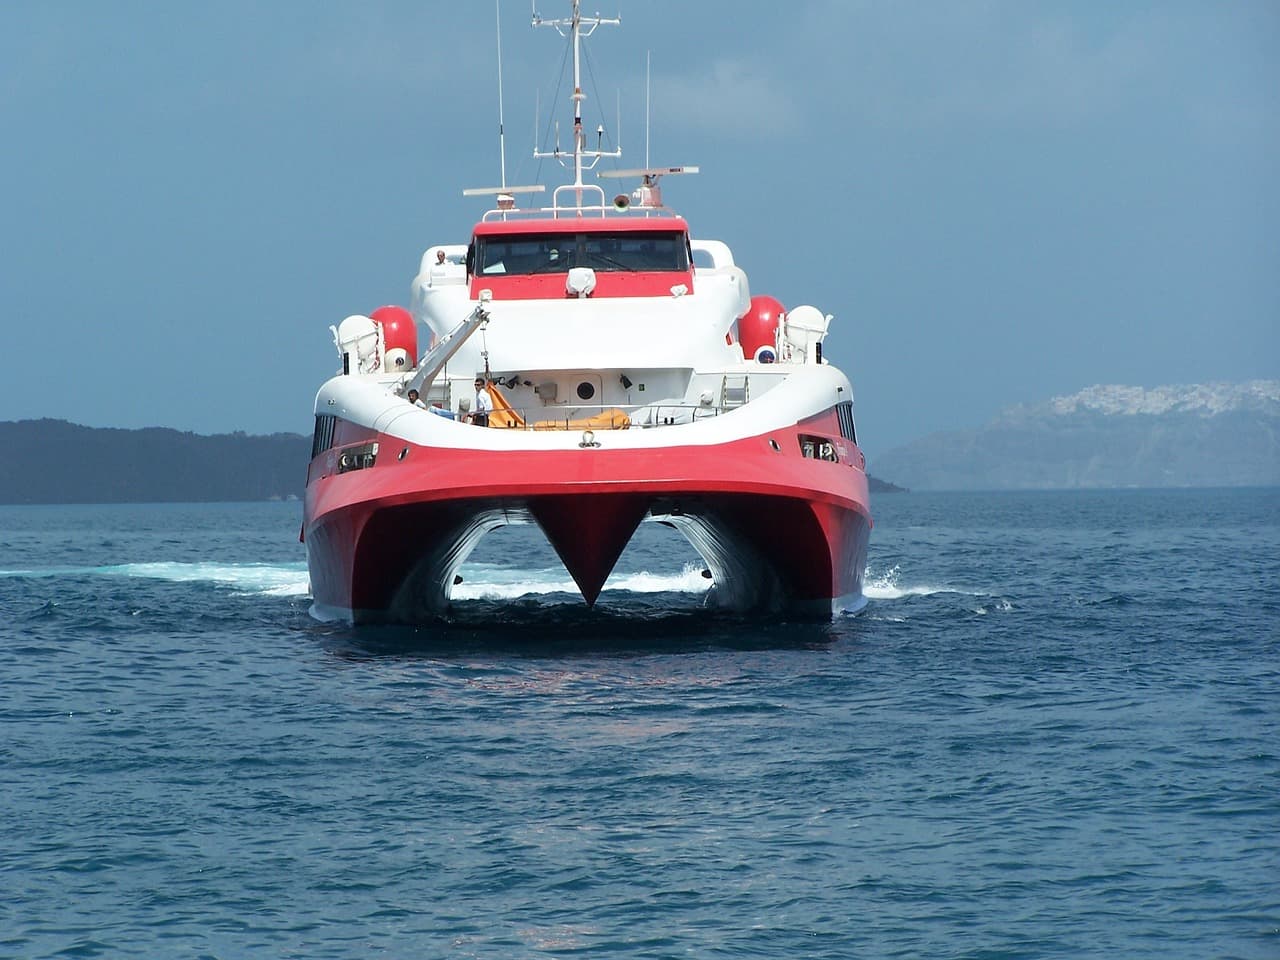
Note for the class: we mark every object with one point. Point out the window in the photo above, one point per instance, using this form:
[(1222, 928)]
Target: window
[(818, 448), (844, 413), (360, 457), (322, 439), (604, 252)]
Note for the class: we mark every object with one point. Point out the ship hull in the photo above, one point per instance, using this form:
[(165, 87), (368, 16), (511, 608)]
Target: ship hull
[(779, 533)]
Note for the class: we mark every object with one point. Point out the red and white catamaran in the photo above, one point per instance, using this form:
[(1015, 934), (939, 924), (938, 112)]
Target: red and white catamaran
[(634, 378)]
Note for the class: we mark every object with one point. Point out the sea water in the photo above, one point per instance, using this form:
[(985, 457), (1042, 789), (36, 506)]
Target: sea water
[(1053, 732)]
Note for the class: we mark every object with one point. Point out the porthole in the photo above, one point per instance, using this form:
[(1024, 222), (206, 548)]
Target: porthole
[(586, 390)]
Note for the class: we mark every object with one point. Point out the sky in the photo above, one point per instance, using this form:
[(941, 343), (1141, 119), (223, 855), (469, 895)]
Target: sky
[(998, 200)]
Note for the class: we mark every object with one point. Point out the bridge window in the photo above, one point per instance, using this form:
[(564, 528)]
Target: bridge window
[(604, 252)]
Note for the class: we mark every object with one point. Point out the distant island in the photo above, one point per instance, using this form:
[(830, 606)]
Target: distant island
[(53, 461), (1199, 435), (883, 486)]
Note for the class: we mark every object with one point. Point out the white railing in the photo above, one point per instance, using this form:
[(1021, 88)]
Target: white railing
[(582, 417)]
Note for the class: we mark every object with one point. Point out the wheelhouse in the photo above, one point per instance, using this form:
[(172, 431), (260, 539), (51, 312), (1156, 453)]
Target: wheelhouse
[(630, 256)]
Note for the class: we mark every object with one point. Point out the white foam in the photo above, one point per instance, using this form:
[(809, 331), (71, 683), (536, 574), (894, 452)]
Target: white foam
[(688, 580), (475, 588), (481, 581), (1000, 606), (886, 586), (271, 580), (486, 581)]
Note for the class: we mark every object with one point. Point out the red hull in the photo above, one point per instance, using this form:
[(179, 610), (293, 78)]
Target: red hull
[(780, 532)]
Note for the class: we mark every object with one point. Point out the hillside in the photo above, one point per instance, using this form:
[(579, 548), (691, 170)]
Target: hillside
[(1215, 434), (52, 461)]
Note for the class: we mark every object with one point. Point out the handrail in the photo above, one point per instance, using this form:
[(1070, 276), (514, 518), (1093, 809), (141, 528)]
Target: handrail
[(560, 213), (646, 417)]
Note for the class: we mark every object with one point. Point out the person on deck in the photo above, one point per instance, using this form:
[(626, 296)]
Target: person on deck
[(439, 271), (412, 397), (484, 405)]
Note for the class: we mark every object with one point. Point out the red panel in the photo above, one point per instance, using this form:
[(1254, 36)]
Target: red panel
[(551, 286)]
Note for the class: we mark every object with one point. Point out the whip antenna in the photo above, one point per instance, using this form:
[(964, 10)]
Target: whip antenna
[(502, 143)]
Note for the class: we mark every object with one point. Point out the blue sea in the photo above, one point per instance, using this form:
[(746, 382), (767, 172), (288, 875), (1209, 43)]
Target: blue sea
[(1054, 731)]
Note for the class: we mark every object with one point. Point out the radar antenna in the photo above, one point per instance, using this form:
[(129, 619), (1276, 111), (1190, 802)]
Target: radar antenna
[(649, 194)]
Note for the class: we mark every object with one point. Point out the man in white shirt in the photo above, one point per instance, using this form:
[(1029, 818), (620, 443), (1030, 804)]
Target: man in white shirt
[(440, 269), (484, 405)]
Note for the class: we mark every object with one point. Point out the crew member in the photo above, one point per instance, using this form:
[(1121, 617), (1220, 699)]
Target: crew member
[(484, 405)]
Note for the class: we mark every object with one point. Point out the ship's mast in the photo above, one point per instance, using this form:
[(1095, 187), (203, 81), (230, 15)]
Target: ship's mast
[(578, 27)]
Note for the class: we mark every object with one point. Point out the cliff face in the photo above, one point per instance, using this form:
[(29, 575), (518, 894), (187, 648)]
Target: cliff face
[(52, 461), (1215, 434)]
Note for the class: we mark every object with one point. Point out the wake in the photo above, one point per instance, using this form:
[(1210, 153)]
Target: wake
[(480, 581), (888, 587), (250, 579)]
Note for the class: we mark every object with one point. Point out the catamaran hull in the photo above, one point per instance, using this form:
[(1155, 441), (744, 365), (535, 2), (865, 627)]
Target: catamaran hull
[(779, 533)]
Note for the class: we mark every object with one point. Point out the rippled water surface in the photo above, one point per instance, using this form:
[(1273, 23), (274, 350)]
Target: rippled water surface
[(1053, 732)]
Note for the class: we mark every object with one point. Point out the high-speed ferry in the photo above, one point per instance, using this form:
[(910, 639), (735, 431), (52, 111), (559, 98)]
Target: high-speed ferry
[(587, 365)]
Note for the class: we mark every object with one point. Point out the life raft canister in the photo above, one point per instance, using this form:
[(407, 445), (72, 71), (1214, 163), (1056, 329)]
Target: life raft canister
[(399, 338), (758, 327)]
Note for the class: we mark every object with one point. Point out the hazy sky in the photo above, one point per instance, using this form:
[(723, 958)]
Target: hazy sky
[(999, 201)]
